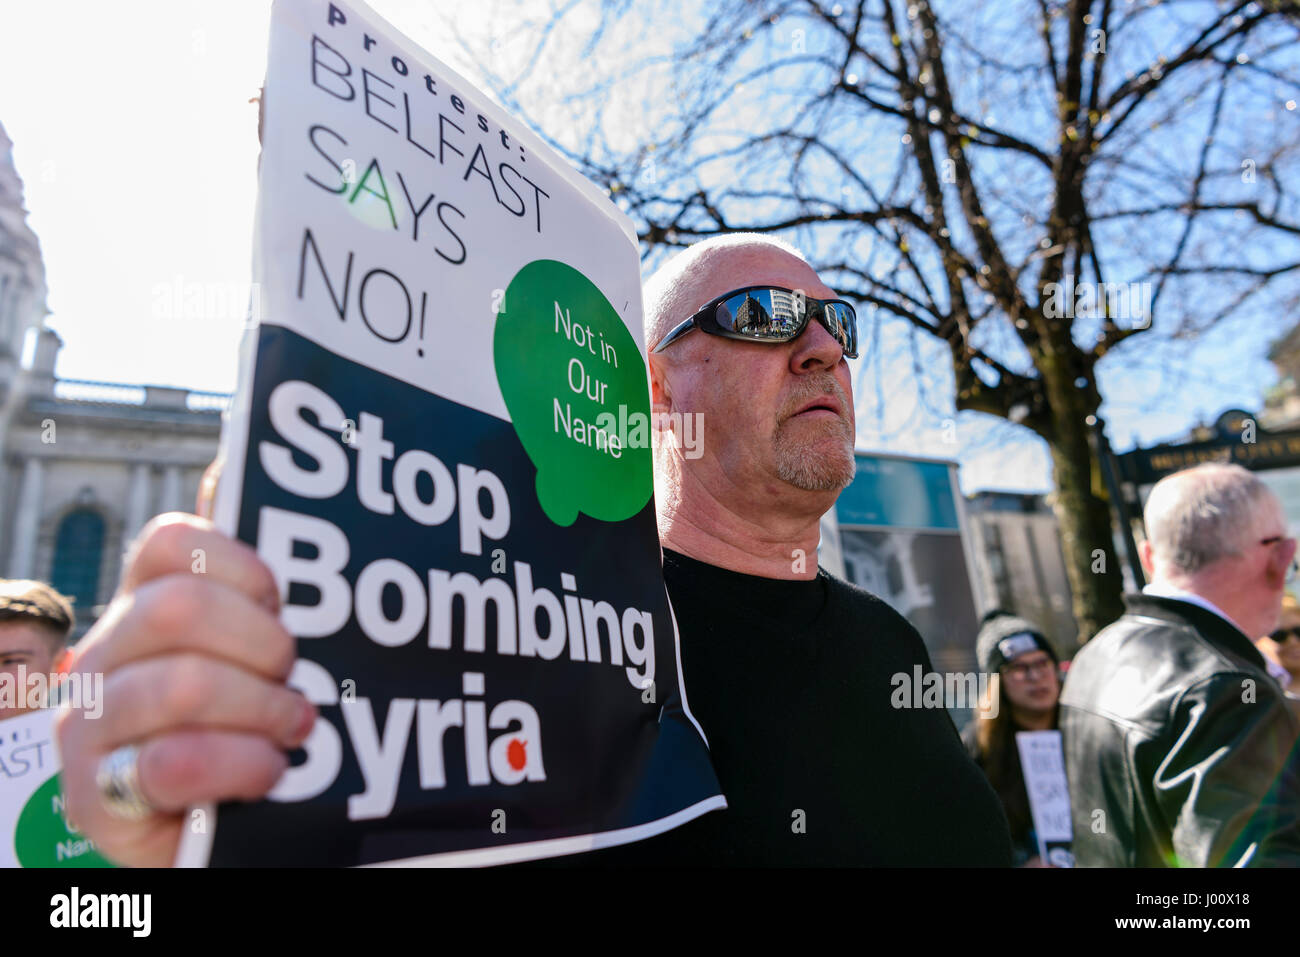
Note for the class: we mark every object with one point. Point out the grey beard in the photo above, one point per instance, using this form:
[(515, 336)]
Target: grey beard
[(828, 473)]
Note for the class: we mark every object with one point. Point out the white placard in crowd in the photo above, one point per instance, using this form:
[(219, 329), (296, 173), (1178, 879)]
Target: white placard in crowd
[(1042, 761), (33, 829)]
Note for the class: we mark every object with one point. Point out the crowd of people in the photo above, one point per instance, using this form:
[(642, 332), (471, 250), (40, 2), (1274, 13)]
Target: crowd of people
[(1178, 720), (1178, 733)]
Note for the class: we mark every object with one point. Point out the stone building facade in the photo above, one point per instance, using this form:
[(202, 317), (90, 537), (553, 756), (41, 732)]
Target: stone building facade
[(83, 465)]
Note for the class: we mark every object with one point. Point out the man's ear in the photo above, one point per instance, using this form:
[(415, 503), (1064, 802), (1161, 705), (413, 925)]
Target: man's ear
[(661, 400), (1279, 560), (1145, 556)]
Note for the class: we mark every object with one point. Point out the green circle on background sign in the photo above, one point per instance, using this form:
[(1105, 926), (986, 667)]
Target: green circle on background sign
[(575, 383), (42, 837)]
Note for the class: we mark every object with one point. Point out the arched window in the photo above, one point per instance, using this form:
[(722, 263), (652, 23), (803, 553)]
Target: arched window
[(78, 549)]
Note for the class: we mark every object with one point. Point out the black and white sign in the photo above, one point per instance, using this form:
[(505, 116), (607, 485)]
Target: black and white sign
[(1042, 760), (439, 448)]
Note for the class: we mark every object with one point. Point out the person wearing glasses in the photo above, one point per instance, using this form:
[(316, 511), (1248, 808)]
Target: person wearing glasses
[(1281, 649), (789, 670), (1028, 689), (1178, 743)]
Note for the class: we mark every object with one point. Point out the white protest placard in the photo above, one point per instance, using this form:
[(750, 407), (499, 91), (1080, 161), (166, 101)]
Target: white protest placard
[(33, 829), (1042, 762), (440, 447)]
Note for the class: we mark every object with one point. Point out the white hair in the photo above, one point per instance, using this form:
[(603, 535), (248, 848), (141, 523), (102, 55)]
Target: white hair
[(1200, 515)]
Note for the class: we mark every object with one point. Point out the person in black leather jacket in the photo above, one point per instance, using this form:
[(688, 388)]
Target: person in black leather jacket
[(1179, 746)]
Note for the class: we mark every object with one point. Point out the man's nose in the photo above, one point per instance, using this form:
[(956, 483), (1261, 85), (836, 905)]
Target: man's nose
[(815, 348)]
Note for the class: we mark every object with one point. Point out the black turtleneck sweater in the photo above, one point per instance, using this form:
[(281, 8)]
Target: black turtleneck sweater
[(791, 682)]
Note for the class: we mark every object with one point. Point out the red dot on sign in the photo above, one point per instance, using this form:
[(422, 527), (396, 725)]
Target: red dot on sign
[(516, 754)]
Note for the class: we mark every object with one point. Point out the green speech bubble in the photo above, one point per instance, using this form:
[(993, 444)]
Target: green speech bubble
[(42, 837), (576, 387)]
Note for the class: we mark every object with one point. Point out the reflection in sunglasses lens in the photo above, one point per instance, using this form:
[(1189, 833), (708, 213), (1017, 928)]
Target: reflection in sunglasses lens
[(839, 320), (760, 314), (777, 315)]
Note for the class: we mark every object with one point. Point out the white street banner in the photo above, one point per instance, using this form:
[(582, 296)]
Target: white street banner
[(440, 445), (1042, 761), (33, 829)]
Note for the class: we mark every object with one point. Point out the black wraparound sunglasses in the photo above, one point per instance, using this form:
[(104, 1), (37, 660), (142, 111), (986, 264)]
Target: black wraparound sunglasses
[(770, 314)]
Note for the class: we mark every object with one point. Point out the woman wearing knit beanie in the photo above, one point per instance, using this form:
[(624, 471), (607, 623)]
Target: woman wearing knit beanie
[(1028, 688)]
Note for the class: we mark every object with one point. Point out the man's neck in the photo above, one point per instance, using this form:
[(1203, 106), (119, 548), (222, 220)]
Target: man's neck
[(1210, 590), (780, 544)]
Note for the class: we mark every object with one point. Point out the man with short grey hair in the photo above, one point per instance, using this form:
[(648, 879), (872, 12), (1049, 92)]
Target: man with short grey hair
[(1178, 743)]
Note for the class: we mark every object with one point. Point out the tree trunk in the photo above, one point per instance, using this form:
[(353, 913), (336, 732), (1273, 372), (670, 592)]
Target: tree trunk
[(1082, 509)]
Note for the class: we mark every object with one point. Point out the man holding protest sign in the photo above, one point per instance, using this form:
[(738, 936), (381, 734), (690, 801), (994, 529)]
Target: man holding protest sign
[(789, 668), (442, 466)]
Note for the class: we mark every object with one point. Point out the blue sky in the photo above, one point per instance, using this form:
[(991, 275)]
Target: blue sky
[(137, 144)]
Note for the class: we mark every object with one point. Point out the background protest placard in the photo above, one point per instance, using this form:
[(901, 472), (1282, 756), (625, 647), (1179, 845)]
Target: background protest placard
[(1042, 760), (440, 446), (33, 829)]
